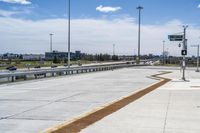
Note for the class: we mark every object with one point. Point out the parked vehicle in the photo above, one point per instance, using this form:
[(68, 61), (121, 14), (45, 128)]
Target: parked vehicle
[(11, 68), (37, 67), (67, 65), (54, 66)]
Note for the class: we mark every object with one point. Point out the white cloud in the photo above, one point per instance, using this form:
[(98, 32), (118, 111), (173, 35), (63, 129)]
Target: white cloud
[(14, 11), (198, 6), (107, 9), (6, 13), (91, 36), (23, 2)]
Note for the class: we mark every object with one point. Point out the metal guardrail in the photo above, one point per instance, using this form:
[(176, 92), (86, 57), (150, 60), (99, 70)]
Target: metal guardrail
[(12, 76)]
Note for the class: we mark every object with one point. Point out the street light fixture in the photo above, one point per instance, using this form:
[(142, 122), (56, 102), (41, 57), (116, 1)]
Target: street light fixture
[(139, 9)]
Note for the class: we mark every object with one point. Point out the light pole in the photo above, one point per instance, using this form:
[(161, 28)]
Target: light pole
[(197, 56), (163, 52), (69, 30), (139, 9), (51, 42), (113, 49), (184, 48)]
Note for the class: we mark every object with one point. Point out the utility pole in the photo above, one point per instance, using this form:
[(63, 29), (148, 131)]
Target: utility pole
[(139, 9), (184, 49), (197, 56), (163, 52), (69, 30), (51, 42)]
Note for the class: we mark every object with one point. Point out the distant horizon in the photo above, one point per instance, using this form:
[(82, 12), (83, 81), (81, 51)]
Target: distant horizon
[(90, 53), (97, 25)]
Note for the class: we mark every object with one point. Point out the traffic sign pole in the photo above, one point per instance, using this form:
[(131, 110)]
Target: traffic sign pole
[(184, 49)]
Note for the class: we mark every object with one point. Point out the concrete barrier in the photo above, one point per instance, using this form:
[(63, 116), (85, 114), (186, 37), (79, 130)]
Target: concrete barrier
[(43, 73)]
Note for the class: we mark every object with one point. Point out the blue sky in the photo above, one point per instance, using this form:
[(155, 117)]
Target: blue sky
[(156, 11), (26, 25)]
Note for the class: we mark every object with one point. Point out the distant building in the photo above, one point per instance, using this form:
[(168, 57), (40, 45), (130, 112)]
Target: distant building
[(33, 56), (78, 55), (10, 56), (60, 55)]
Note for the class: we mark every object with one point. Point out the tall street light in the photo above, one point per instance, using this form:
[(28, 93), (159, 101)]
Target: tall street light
[(51, 42), (163, 52), (69, 23), (197, 56), (113, 49), (139, 9)]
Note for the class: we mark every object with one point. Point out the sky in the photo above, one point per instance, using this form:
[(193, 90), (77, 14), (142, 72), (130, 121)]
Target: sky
[(96, 25)]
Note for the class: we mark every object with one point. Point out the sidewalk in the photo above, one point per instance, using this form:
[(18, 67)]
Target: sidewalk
[(172, 108)]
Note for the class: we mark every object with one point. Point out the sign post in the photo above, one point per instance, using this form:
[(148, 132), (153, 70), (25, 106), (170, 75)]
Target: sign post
[(184, 50), (184, 47)]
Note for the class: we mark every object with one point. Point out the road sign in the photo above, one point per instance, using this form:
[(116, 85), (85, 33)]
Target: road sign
[(184, 52), (175, 37)]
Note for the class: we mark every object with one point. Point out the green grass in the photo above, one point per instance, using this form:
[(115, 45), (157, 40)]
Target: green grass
[(32, 64)]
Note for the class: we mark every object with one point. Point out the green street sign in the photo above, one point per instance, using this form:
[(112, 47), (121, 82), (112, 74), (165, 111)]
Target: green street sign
[(175, 37)]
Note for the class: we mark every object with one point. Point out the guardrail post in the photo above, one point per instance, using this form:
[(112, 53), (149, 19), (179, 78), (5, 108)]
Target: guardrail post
[(25, 77), (13, 78)]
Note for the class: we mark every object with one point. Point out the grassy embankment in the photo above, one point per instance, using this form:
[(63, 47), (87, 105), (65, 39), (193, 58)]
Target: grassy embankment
[(24, 64)]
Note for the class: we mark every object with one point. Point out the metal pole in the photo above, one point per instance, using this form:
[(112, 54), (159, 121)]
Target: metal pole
[(51, 42), (184, 48), (197, 58), (139, 8), (163, 52), (197, 46), (113, 49), (69, 22)]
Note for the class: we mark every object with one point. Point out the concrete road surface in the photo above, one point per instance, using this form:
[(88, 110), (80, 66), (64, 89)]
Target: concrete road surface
[(32, 106)]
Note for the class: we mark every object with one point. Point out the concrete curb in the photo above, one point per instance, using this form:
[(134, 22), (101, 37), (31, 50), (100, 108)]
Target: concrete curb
[(77, 124)]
